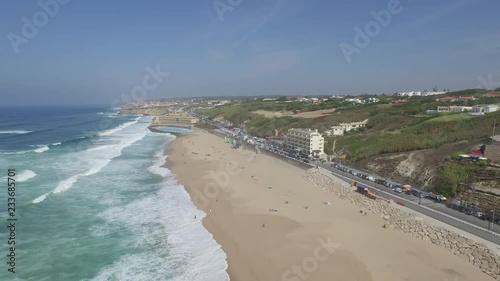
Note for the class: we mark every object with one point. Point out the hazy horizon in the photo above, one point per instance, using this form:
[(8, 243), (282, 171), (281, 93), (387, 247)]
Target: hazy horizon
[(70, 52)]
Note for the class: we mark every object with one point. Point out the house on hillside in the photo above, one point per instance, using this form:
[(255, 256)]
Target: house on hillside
[(492, 95), (347, 127), (454, 108), (457, 99), (315, 100), (399, 101), (489, 108)]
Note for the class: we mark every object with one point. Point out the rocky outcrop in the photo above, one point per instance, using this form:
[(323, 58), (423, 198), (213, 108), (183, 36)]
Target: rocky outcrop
[(153, 111), (418, 168), (475, 253)]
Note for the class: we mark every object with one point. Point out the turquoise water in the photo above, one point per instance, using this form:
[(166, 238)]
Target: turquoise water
[(174, 130), (103, 208)]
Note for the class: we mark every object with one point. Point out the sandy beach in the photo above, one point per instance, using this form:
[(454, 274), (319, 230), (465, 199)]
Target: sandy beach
[(273, 224)]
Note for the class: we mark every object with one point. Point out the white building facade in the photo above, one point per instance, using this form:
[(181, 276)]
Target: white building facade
[(306, 141), (485, 108)]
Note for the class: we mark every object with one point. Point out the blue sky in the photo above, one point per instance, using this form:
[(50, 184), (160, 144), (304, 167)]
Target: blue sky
[(96, 51)]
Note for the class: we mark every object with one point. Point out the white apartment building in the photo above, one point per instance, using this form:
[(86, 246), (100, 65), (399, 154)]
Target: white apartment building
[(485, 108), (338, 130), (353, 126), (454, 108), (419, 93), (307, 141)]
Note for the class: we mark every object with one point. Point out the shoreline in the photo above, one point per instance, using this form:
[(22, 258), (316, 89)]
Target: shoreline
[(264, 245)]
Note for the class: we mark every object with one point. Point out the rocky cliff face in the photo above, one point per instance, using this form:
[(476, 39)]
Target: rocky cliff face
[(153, 111), (419, 168)]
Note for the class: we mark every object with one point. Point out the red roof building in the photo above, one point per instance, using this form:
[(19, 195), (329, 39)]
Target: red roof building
[(492, 95), (455, 99), (399, 101)]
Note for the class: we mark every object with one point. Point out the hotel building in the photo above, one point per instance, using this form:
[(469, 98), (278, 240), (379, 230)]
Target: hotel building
[(306, 141)]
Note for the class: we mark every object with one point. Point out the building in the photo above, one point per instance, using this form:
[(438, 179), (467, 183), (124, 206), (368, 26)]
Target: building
[(174, 120), (305, 141), (454, 108), (399, 101), (353, 126), (338, 130), (457, 99), (492, 95), (489, 108)]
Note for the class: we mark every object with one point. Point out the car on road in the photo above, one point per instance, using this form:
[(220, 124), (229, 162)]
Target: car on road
[(414, 192), (397, 189), (441, 198)]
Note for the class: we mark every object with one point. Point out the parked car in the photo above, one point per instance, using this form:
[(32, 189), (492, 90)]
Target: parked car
[(440, 198), (479, 215), (414, 192)]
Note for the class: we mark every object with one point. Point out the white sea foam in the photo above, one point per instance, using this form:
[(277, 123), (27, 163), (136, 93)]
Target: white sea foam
[(25, 175), (157, 167), (180, 246), (40, 198), (42, 149), (16, 152), (119, 128), (95, 159), (18, 132)]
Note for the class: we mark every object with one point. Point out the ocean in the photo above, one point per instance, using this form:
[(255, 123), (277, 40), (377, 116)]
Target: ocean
[(93, 201)]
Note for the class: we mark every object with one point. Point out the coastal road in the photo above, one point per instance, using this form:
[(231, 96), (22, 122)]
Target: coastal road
[(429, 208)]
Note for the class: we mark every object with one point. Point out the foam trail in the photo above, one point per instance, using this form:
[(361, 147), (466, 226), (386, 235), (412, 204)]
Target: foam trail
[(25, 175), (42, 149), (118, 128), (157, 167), (96, 159), (40, 198), (19, 132)]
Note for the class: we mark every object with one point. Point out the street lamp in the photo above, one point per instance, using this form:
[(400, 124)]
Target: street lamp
[(492, 222)]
